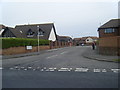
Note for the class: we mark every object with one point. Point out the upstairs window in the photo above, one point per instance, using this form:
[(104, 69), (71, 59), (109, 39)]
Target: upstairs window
[(87, 39), (109, 30), (30, 33), (41, 32)]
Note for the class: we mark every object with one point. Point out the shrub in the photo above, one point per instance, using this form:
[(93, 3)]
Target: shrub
[(16, 42)]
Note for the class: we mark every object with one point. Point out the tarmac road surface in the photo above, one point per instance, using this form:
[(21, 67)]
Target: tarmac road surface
[(59, 68)]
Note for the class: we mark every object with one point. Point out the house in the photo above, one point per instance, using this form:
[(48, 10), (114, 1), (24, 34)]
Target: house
[(64, 41), (85, 40), (2, 26), (6, 31), (64, 38), (90, 40), (43, 31), (109, 37), (77, 41)]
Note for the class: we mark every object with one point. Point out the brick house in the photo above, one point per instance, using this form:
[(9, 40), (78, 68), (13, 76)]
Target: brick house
[(77, 41), (65, 40), (109, 38)]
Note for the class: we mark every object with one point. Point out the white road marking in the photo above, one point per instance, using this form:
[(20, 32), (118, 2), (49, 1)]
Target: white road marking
[(52, 69), (51, 56), (104, 70), (42, 69), (96, 70), (29, 67), (25, 69), (16, 67), (34, 69), (11, 68), (62, 70), (45, 68), (81, 70), (1, 68), (52, 50), (115, 70), (63, 52)]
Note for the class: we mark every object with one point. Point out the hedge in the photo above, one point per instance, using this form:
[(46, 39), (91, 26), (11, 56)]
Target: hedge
[(16, 42)]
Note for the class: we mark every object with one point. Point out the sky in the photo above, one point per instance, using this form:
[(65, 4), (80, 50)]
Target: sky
[(71, 17)]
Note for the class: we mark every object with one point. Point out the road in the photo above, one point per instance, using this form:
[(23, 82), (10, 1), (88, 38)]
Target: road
[(59, 68)]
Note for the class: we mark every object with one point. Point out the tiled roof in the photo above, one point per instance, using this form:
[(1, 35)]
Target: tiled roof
[(63, 38), (110, 24), (20, 31)]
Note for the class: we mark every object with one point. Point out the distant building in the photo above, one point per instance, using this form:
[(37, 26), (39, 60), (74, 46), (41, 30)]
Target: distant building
[(45, 31), (77, 41), (64, 38), (85, 40), (109, 38)]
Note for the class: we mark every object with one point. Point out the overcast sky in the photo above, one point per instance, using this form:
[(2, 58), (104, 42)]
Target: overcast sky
[(76, 19)]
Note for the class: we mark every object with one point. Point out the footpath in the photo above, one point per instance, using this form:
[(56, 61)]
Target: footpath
[(26, 54), (94, 55)]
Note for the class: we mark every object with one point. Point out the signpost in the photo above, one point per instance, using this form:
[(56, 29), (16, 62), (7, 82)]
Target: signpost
[(38, 36)]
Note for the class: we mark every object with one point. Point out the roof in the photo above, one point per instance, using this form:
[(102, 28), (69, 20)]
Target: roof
[(94, 37), (21, 30), (1, 31), (63, 38), (77, 39), (111, 24), (2, 26), (84, 38)]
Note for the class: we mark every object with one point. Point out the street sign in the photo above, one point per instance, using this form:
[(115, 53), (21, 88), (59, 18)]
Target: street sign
[(28, 47)]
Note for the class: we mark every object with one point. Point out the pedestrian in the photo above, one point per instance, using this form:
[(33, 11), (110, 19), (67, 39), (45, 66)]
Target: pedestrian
[(93, 46)]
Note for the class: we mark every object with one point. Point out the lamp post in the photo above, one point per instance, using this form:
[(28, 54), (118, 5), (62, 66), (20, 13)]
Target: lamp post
[(38, 36)]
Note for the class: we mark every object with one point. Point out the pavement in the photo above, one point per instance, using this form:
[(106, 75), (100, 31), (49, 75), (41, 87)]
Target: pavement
[(27, 54), (94, 55)]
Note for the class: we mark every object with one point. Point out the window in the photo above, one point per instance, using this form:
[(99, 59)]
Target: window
[(30, 33), (21, 31), (87, 39), (109, 30), (41, 32)]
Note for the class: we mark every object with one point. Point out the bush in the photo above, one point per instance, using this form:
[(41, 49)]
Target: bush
[(16, 42)]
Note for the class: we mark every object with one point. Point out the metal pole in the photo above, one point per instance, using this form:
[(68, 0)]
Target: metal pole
[(38, 36)]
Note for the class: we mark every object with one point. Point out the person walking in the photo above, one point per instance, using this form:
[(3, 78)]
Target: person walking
[(93, 46)]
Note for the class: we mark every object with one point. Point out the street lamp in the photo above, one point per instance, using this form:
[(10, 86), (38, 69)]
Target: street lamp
[(38, 36)]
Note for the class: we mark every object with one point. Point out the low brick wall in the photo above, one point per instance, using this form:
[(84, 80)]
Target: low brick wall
[(0, 51), (21, 50)]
